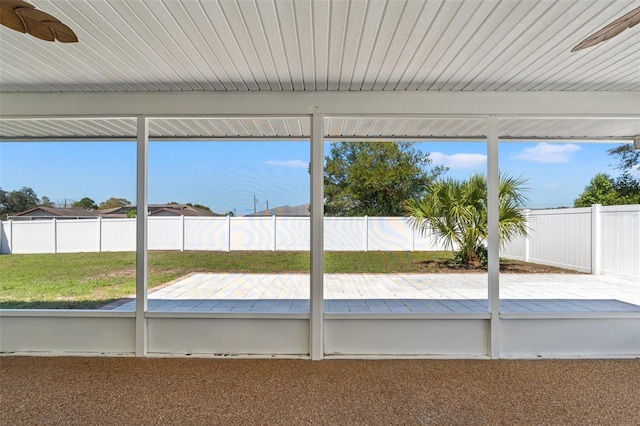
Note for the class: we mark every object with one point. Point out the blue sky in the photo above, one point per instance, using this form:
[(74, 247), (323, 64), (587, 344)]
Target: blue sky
[(226, 175)]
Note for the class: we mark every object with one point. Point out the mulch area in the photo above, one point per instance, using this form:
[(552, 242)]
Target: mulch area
[(506, 267), (129, 391)]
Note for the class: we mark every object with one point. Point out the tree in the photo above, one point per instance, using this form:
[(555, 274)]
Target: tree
[(375, 178), (628, 183), (46, 202), (114, 202), (17, 201), (628, 188), (86, 203), (199, 206), (602, 189), (455, 211), (608, 191), (628, 158)]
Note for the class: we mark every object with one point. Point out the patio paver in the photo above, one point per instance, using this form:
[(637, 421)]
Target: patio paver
[(395, 293)]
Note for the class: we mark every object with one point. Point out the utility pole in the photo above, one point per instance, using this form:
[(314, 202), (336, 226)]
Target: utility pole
[(255, 204)]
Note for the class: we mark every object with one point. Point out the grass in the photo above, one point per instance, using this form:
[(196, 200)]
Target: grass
[(91, 280)]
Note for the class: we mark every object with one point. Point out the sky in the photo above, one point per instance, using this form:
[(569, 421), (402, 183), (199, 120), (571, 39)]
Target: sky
[(227, 175)]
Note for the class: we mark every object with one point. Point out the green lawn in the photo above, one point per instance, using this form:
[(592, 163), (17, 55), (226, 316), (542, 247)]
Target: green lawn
[(91, 280)]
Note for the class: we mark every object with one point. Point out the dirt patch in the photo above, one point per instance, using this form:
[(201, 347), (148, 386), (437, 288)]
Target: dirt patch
[(125, 273), (120, 273), (516, 267), (506, 266)]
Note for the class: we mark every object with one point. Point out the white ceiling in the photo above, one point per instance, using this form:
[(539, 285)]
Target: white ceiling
[(319, 46), (322, 45), (387, 128)]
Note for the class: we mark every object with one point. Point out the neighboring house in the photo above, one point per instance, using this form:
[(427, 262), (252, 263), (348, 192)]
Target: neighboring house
[(117, 212), (160, 210), (41, 212), (302, 210)]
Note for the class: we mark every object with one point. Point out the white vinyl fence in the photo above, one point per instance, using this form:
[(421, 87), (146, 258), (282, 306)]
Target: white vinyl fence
[(597, 239), (210, 233)]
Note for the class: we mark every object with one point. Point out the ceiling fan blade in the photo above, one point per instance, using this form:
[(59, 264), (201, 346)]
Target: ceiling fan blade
[(33, 21), (628, 20), (14, 4), (24, 17), (8, 16), (63, 33)]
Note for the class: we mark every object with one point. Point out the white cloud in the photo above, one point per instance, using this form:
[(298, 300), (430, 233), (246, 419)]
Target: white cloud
[(549, 153), (295, 164), (459, 161)]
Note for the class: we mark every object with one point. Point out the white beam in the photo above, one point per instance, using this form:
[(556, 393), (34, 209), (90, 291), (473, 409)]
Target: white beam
[(493, 239), (327, 103), (316, 301), (141, 236)]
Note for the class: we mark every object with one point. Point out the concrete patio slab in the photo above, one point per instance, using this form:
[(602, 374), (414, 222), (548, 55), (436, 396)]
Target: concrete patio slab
[(393, 293)]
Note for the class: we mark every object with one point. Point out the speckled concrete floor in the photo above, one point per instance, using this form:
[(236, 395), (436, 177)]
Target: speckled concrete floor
[(128, 391)]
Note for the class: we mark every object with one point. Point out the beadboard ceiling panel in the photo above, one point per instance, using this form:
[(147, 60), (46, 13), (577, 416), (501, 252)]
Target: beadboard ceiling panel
[(324, 45), (67, 128), (570, 128), (337, 128)]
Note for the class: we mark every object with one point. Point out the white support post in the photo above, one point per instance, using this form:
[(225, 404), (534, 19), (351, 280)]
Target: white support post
[(413, 240), (493, 177), (275, 232), (228, 233), (316, 341), (366, 233), (141, 235), (596, 239), (55, 235), (181, 232), (99, 234), (10, 236), (527, 238)]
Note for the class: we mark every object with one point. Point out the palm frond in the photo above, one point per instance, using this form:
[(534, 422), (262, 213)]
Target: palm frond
[(455, 212)]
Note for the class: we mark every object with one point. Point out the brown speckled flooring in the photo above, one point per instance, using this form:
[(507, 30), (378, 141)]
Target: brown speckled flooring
[(129, 391)]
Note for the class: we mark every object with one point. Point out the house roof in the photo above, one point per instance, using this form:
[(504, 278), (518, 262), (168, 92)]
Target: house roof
[(301, 210), (111, 210), (58, 212), (180, 210), (117, 212), (354, 61), (155, 209)]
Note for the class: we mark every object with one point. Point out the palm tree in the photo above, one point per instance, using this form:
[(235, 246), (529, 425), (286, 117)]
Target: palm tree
[(455, 211)]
